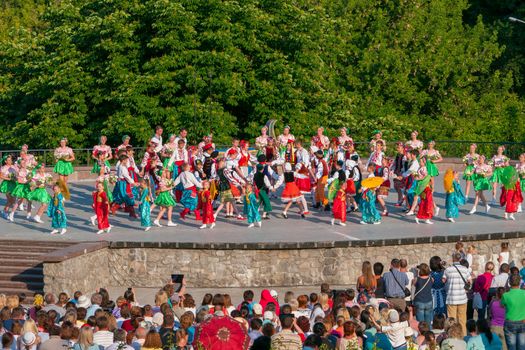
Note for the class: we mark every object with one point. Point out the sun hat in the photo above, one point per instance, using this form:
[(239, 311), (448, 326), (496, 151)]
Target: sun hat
[(157, 319), (83, 301), (393, 316), (257, 309), (28, 338), (268, 315)]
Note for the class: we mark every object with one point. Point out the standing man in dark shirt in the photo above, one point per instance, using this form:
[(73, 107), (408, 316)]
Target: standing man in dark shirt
[(398, 168), (395, 284), (378, 271)]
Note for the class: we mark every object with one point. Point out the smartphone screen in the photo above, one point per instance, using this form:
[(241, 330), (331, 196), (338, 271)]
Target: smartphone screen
[(176, 279)]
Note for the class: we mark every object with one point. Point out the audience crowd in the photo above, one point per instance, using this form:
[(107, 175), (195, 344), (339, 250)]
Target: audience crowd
[(431, 306)]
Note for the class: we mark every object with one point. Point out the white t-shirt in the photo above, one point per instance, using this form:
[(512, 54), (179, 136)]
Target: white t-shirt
[(410, 276), (396, 333)]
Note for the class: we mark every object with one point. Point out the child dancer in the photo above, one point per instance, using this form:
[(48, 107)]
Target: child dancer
[(499, 162), (321, 176), (291, 193), (336, 180), (367, 204), (57, 212), (376, 157), (426, 202), (481, 180), (398, 167), (353, 181), (264, 186), (454, 195), (511, 195), (167, 151), (414, 143), (39, 193), (382, 193), (64, 156), (419, 176), (339, 206), (101, 207), (225, 192), (433, 156), (207, 206), (123, 193), (189, 198), (470, 160), (520, 167), (8, 175), (145, 204), (21, 190), (164, 200), (251, 207)]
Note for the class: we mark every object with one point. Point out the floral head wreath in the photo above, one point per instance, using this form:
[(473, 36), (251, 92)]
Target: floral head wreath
[(63, 139)]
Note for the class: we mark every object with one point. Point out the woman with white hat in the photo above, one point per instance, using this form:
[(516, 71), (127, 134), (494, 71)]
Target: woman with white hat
[(29, 340)]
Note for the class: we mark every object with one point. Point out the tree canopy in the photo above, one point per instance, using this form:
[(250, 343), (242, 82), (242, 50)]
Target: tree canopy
[(79, 68)]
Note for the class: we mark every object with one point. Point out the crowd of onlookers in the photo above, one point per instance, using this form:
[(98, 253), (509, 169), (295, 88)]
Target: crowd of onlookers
[(430, 306)]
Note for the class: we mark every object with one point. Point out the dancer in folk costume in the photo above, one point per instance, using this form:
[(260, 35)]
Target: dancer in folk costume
[(454, 195), (291, 192), (376, 157), (424, 193), (168, 149), (30, 159), (470, 160), (336, 180), (234, 174), (125, 143), (21, 190), (251, 207), (156, 139), (101, 153), (224, 178), (335, 154), (261, 180), (8, 174), (339, 206), (367, 204), (343, 137), (520, 167), (321, 177), (164, 200), (353, 181), (178, 157), (206, 140), (207, 206), (57, 212), (246, 159), (432, 156), (302, 167), (511, 195), (271, 150), (398, 167), (481, 180), (410, 177), (320, 141), (382, 193), (145, 204), (414, 143), (499, 161), (101, 207), (39, 193), (64, 157), (286, 137), (123, 191), (262, 140), (183, 133), (189, 198), (289, 154), (377, 135)]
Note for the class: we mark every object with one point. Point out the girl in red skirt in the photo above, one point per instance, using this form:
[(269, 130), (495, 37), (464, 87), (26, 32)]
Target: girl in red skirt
[(339, 206), (291, 193), (207, 206), (426, 205), (101, 206)]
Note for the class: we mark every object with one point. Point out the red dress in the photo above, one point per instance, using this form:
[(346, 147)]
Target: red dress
[(339, 206), (100, 204), (426, 205), (207, 207), (511, 199)]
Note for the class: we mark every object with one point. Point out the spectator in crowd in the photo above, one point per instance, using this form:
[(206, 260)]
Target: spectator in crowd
[(457, 280), (119, 342), (497, 316), (485, 339), (140, 337), (96, 300), (55, 340), (513, 301), (349, 339), (167, 334), (286, 339), (423, 295), (265, 340), (152, 341), (102, 334), (395, 285), (454, 340), (366, 283), (482, 286), (85, 340), (380, 282), (51, 304)]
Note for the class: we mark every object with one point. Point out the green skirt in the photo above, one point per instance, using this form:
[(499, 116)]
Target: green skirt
[(21, 190), (432, 169), (165, 164), (497, 175), (164, 199), (481, 183), (39, 195), (468, 174), (7, 186), (522, 185), (63, 168), (96, 167)]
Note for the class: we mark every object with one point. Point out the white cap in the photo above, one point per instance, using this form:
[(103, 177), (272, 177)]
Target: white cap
[(274, 293), (268, 315), (83, 301), (257, 309)]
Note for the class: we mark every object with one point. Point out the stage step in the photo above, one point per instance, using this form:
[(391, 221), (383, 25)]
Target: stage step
[(22, 268)]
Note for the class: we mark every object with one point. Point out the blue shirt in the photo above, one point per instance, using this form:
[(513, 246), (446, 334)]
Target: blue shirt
[(393, 289)]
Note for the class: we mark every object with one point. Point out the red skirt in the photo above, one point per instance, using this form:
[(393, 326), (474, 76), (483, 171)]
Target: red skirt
[(350, 187), (426, 205), (207, 213), (339, 209), (235, 191), (303, 184), (511, 199), (290, 193)]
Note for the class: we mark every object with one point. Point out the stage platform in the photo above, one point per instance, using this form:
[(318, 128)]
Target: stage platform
[(277, 232)]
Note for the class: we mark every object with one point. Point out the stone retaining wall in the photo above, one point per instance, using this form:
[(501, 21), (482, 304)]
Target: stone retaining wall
[(208, 268)]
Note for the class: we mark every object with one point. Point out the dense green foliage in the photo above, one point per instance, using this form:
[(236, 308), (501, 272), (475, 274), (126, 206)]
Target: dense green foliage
[(123, 66)]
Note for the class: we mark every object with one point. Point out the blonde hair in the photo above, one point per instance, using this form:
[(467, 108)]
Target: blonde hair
[(85, 338), (29, 326), (12, 301), (471, 249), (112, 322), (3, 300), (161, 297), (323, 300)]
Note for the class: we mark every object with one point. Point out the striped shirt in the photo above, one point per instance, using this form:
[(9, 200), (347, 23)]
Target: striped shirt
[(454, 284), (286, 340)]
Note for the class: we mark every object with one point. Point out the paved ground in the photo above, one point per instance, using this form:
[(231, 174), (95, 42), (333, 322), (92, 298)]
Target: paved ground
[(315, 228)]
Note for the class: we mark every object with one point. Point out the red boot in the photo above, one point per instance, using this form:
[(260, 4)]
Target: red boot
[(183, 213), (131, 211), (114, 208)]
